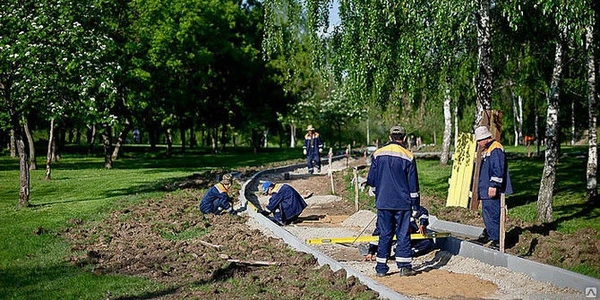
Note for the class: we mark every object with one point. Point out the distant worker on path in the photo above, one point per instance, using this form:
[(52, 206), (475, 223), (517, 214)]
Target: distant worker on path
[(216, 200), (313, 146), (286, 204), (393, 174), (493, 181), (418, 224)]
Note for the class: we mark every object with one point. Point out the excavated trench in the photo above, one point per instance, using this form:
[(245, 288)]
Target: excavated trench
[(456, 269)]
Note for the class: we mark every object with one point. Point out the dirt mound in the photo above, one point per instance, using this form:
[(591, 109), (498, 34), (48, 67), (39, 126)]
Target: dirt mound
[(205, 256)]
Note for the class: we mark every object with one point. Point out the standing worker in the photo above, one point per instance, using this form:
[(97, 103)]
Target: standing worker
[(393, 174), (285, 203), (313, 146), (217, 200), (493, 181)]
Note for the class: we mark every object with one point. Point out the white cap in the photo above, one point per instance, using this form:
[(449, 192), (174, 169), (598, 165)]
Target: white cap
[(482, 133)]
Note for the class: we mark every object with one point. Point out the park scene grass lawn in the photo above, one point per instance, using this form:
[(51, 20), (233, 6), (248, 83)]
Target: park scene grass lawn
[(35, 252)]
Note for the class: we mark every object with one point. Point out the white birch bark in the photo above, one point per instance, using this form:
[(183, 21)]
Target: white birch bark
[(592, 163), (544, 205), (447, 127)]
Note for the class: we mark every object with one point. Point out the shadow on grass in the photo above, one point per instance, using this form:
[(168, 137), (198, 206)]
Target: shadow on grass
[(48, 282)]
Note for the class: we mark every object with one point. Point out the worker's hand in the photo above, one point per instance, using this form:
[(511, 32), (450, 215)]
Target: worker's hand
[(422, 229), (492, 192), (369, 257), (304, 151)]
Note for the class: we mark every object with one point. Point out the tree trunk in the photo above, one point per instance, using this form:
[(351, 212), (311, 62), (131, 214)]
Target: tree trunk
[(292, 135), (517, 106), (572, 122), (484, 78), (106, 135), (193, 140), (544, 205), (91, 137), (455, 126), (121, 139), (32, 157), (13, 144), (592, 163), (447, 127), (49, 153), (223, 138), (169, 140), (182, 131), (24, 172)]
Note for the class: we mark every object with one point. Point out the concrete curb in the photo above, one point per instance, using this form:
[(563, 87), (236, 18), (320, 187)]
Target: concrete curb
[(538, 271)]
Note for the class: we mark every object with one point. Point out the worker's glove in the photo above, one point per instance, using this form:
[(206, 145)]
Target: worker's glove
[(304, 151), (415, 211), (320, 150)]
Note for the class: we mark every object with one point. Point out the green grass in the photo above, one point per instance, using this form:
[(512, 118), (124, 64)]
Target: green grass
[(33, 253)]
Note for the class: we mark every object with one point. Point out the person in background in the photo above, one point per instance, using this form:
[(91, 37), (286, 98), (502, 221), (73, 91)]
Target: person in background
[(393, 174), (216, 200), (418, 224), (493, 181), (286, 204), (313, 146)]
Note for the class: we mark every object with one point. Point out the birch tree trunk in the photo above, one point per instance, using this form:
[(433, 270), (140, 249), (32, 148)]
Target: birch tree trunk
[(182, 131), (572, 122), (169, 139), (484, 78), (592, 163), (455, 125), (517, 104), (13, 144), (49, 152), (91, 138), (106, 134), (292, 135), (24, 179), (544, 205), (32, 157), (121, 139), (447, 127)]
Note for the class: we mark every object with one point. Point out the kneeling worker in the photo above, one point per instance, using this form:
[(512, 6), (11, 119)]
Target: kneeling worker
[(217, 200), (285, 203)]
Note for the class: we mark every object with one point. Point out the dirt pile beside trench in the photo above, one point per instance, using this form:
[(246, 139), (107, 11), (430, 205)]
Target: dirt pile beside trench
[(168, 240)]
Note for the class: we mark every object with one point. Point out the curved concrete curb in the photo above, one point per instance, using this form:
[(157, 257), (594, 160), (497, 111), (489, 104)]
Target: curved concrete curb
[(251, 186), (538, 271)]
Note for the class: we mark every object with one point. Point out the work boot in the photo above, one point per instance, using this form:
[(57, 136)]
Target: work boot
[(483, 238), (406, 271)]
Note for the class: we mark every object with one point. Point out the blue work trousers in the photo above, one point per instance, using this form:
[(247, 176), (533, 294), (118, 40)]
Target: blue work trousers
[(392, 222), (313, 160), (491, 218)]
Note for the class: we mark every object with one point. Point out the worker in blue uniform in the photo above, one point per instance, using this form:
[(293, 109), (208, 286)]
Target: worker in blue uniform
[(313, 147), (418, 224), (216, 200), (493, 181), (286, 204), (393, 174)]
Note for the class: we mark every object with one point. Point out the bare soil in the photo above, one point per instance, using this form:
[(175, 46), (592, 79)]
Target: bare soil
[(194, 255)]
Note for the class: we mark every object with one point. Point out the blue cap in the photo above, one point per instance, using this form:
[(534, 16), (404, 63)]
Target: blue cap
[(265, 186)]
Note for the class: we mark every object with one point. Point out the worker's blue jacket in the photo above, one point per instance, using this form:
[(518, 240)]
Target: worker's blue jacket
[(285, 203), (494, 172), (216, 200), (312, 143), (393, 173)]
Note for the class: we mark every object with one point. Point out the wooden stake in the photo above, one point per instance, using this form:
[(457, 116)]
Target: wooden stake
[(502, 221), (355, 189), (330, 156)]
